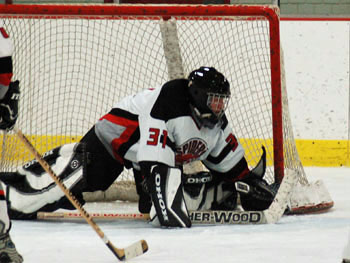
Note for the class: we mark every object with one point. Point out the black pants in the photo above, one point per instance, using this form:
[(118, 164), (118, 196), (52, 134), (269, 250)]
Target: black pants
[(102, 169)]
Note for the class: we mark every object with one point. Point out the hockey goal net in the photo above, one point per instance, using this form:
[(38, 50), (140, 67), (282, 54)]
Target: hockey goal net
[(74, 62)]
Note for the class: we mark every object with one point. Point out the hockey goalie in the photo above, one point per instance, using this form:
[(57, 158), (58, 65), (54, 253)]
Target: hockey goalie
[(155, 133)]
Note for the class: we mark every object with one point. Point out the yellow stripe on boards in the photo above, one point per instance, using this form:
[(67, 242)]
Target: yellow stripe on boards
[(15, 150), (326, 153)]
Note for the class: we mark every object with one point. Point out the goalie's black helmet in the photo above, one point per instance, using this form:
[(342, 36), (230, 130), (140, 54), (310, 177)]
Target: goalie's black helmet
[(209, 95)]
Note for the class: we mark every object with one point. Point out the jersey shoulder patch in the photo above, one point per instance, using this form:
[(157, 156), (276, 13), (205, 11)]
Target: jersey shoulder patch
[(172, 101)]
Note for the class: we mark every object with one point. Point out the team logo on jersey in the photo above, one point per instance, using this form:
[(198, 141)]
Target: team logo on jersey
[(190, 151)]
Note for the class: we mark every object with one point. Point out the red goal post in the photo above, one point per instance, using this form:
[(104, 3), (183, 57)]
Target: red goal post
[(243, 42)]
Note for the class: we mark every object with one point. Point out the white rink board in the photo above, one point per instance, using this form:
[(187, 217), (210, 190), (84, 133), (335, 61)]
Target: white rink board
[(317, 71)]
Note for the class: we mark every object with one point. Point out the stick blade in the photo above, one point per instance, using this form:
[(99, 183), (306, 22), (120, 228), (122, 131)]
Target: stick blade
[(279, 204), (136, 249)]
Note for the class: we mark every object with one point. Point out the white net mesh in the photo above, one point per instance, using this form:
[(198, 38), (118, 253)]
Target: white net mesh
[(74, 68)]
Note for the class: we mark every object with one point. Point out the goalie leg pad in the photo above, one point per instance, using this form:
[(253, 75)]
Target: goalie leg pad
[(169, 207), (31, 189)]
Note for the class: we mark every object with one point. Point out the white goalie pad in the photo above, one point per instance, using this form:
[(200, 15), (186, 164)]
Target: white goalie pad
[(44, 189), (312, 197), (205, 198)]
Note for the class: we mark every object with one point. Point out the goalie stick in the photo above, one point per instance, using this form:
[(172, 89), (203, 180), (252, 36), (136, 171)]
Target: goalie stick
[(136, 249), (270, 215), (197, 217)]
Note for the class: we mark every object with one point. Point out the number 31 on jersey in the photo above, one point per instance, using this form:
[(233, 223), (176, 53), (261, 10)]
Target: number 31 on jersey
[(157, 136)]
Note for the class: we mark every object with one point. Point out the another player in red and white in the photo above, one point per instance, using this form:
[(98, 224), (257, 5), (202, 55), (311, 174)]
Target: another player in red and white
[(155, 133), (9, 94)]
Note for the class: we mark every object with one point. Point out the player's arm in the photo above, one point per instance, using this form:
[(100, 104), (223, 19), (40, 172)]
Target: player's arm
[(227, 157), (9, 91), (228, 163), (9, 107)]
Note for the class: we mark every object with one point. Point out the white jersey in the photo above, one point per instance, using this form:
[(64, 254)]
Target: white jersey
[(6, 51), (6, 45), (157, 125)]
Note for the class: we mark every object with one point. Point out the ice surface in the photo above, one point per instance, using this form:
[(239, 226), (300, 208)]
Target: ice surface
[(318, 238)]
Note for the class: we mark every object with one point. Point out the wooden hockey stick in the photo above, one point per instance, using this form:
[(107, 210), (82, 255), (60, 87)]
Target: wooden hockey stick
[(197, 217), (136, 249), (97, 216)]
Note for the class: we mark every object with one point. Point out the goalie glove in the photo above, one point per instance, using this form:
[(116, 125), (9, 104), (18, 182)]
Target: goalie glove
[(9, 107), (169, 207), (255, 193)]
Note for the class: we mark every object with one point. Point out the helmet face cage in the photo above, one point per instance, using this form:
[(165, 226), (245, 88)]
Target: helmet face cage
[(218, 103)]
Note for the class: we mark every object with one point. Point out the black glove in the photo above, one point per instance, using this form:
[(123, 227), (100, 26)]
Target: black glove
[(9, 107), (255, 192), (145, 202)]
